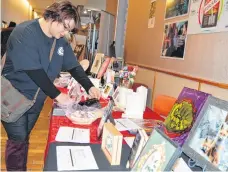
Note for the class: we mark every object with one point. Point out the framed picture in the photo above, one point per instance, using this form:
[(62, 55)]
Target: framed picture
[(159, 154), (138, 144), (112, 143), (108, 89), (174, 40), (207, 143), (183, 114), (176, 8), (107, 115), (115, 95), (118, 64), (97, 63)]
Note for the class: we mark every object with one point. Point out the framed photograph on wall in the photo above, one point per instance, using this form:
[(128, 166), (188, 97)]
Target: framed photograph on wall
[(159, 154), (207, 143), (176, 8), (151, 20), (174, 40)]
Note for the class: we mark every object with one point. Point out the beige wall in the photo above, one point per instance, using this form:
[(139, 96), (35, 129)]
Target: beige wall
[(111, 6), (98, 4), (170, 85), (16, 10), (165, 84), (215, 91), (206, 55)]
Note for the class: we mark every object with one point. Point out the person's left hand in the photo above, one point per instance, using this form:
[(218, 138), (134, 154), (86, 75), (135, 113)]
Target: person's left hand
[(94, 93)]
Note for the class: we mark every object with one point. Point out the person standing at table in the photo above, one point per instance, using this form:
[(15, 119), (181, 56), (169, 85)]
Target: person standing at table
[(27, 68)]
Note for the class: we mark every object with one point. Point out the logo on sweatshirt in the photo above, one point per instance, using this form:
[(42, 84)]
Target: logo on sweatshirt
[(60, 51)]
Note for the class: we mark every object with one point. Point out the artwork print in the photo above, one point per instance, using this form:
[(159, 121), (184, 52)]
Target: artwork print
[(134, 149), (105, 117), (109, 143), (211, 137), (151, 20), (183, 114), (175, 8), (117, 65), (97, 63), (156, 155), (174, 39), (207, 16)]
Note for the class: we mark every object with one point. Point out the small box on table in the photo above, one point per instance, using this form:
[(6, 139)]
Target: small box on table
[(112, 143)]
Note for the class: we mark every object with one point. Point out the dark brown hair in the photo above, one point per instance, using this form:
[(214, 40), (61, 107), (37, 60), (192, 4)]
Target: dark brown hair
[(62, 10)]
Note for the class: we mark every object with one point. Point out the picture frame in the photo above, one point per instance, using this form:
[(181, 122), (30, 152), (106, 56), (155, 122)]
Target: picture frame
[(118, 64), (174, 40), (207, 144), (97, 63), (115, 95), (107, 91), (174, 9), (183, 114), (159, 154), (138, 144), (107, 115), (112, 144)]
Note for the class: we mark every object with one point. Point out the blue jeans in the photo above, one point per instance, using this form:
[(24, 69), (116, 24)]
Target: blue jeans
[(20, 130)]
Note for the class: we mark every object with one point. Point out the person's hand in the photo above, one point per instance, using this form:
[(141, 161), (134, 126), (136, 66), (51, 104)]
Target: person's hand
[(94, 93), (64, 99)]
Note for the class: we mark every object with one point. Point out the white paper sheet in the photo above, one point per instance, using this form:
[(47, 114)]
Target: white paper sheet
[(75, 158), (181, 166), (129, 141), (124, 124), (70, 134)]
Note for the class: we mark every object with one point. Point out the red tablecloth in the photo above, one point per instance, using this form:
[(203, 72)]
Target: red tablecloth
[(57, 121)]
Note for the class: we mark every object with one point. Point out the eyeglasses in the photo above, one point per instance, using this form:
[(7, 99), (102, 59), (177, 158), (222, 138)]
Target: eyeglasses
[(68, 29)]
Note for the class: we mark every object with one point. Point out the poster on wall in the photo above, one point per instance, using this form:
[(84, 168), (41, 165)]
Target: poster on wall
[(151, 21), (174, 39), (208, 16), (176, 8)]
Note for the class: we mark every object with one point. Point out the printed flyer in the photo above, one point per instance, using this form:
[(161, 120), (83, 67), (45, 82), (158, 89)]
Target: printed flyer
[(208, 16)]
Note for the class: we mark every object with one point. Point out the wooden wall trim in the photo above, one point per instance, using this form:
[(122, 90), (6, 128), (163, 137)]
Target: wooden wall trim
[(200, 80)]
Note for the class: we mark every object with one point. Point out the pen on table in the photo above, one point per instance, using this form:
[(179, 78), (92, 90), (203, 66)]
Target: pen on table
[(72, 135), (121, 124), (71, 158)]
